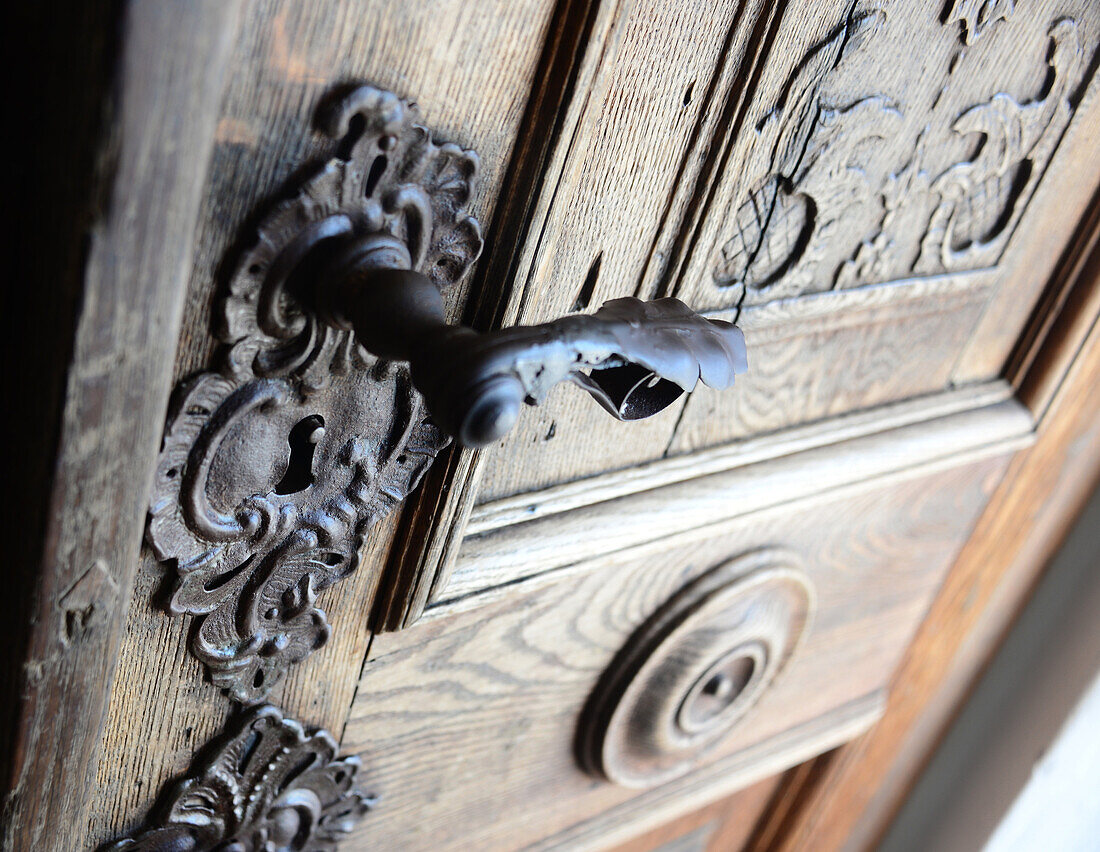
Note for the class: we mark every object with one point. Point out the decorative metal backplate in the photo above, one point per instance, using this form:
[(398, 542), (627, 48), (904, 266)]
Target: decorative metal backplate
[(691, 672), (268, 786), (274, 466)]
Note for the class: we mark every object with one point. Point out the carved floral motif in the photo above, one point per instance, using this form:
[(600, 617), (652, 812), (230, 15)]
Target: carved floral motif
[(834, 209), (978, 198), (269, 786), (274, 467), (817, 159)]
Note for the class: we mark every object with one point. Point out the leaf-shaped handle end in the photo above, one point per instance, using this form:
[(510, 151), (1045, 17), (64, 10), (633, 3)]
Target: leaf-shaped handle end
[(668, 349)]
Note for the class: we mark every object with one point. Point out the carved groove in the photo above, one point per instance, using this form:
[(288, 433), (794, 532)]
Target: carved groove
[(694, 669)]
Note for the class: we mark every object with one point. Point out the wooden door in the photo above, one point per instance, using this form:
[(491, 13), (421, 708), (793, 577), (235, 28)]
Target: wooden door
[(896, 203)]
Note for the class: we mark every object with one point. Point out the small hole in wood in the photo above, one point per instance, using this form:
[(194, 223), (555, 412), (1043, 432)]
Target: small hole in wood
[(588, 288)]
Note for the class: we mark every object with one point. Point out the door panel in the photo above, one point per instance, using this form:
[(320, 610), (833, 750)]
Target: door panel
[(866, 208), (860, 209), (470, 720)]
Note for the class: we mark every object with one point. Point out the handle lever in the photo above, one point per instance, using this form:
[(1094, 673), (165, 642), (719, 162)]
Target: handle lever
[(635, 358)]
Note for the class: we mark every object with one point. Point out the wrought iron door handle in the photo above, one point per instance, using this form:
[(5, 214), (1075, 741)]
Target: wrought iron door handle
[(635, 358), (312, 428)]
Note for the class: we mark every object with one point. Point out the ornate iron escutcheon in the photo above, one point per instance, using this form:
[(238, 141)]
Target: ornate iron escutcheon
[(690, 673), (267, 786), (341, 381)]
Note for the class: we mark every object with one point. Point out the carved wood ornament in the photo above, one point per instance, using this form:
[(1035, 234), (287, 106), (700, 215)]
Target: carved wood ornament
[(689, 674), (838, 203), (267, 786)]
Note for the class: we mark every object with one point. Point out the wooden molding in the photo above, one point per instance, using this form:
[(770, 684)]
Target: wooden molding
[(694, 494), (584, 493)]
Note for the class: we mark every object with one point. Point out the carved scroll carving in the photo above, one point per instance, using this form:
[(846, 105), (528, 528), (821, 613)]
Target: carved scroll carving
[(817, 161), (975, 204), (274, 467), (269, 785), (974, 17), (836, 209)]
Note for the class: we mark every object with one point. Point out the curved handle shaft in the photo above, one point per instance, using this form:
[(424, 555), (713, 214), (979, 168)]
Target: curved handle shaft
[(634, 357)]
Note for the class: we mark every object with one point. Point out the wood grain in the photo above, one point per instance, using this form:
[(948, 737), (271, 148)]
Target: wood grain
[(648, 97), (824, 355), (715, 496), (849, 802), (720, 826), (470, 69), (465, 719), (139, 249)]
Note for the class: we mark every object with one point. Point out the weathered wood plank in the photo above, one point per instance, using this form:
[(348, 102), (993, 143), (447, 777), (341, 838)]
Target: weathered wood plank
[(648, 100), (436, 516), (470, 68), (169, 83)]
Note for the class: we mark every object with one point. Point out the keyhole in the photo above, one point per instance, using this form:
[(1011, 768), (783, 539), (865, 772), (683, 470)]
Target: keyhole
[(303, 440)]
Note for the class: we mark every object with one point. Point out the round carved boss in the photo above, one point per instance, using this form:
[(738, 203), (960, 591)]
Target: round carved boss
[(690, 673)]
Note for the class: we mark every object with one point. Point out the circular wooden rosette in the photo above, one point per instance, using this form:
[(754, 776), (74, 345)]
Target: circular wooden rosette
[(692, 671)]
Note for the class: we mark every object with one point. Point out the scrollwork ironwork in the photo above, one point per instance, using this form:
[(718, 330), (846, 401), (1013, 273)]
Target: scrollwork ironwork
[(269, 785), (274, 466)]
